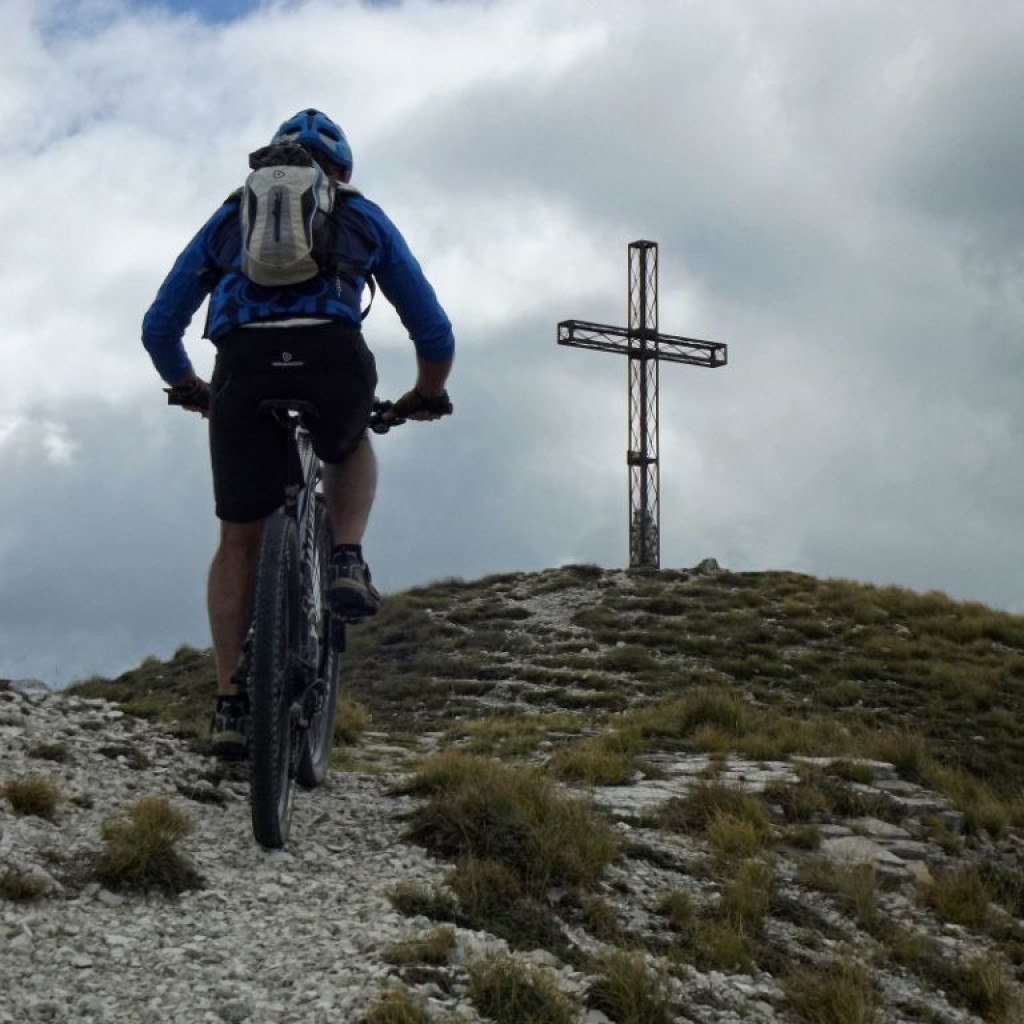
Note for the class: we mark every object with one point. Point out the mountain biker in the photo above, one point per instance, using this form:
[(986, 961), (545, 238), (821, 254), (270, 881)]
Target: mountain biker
[(298, 341)]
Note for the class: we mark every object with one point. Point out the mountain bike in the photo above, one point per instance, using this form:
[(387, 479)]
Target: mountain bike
[(291, 656)]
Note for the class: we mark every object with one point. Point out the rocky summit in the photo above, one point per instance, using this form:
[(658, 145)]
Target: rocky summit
[(772, 857)]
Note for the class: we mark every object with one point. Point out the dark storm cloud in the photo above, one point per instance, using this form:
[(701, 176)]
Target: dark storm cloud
[(833, 188)]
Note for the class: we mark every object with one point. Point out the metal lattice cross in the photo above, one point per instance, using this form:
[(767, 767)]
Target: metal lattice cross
[(646, 349)]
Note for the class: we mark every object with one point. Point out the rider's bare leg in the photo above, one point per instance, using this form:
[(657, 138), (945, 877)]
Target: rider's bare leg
[(350, 488), (229, 596)]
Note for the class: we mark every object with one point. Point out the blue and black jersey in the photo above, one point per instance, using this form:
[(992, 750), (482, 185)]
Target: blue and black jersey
[(366, 243)]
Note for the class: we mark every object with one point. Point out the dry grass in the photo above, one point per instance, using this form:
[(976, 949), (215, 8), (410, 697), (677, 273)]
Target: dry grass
[(961, 896), (735, 835), (512, 735), (396, 1005), (350, 721), (513, 815), (21, 886), (727, 935), (984, 987), (56, 751), (747, 897), (606, 760), (141, 849), (491, 898), (33, 795), (628, 991), (722, 814), (433, 947), (854, 887), (513, 836), (417, 900), (837, 993), (678, 910), (507, 991)]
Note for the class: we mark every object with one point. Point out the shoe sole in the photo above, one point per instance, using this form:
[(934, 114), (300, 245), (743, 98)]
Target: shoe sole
[(232, 747), (352, 601)]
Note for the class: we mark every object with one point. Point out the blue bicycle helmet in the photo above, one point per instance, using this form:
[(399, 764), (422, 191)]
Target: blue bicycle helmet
[(316, 131)]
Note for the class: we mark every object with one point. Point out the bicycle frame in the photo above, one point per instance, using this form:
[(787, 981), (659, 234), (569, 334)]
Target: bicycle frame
[(301, 495), (304, 489)]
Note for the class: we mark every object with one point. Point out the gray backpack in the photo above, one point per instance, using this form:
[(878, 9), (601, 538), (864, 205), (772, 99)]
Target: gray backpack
[(285, 208)]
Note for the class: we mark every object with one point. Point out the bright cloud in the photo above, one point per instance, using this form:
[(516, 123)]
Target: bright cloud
[(834, 189)]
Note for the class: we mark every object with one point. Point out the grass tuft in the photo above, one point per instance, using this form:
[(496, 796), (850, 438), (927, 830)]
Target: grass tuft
[(350, 721), (735, 835), (960, 896), (747, 896), (57, 751), (721, 813), (396, 1005), (33, 795), (629, 991), (678, 910), (705, 707), (854, 887), (509, 992), (21, 886), (607, 760), (417, 900), (512, 815), (839, 993), (433, 947), (491, 898), (141, 849), (985, 989)]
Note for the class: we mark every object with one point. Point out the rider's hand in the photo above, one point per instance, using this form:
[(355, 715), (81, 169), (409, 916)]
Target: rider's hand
[(191, 393), (414, 405)]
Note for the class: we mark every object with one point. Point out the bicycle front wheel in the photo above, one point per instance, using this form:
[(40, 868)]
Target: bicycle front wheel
[(275, 638), (319, 739)]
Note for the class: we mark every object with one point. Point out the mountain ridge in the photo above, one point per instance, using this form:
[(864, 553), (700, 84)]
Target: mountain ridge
[(845, 751)]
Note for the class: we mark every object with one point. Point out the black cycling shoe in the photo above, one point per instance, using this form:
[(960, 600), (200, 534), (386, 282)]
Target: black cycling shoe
[(351, 594), (229, 729)]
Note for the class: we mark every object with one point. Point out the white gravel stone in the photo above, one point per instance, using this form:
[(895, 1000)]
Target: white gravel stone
[(300, 935)]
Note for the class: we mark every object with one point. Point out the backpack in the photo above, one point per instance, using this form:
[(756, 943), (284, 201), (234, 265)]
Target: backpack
[(285, 208)]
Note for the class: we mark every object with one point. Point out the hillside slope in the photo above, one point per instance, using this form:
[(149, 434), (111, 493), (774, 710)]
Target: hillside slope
[(808, 793)]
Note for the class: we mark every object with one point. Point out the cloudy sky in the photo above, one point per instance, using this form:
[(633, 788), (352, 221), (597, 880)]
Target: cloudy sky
[(834, 186)]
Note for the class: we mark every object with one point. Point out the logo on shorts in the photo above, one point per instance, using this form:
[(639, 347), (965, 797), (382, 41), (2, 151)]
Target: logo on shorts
[(288, 361)]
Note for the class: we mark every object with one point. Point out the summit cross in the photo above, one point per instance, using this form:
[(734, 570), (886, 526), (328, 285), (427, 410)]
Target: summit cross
[(646, 349)]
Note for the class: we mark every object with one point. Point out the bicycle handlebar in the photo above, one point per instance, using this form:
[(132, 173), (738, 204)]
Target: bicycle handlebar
[(196, 399), (378, 424)]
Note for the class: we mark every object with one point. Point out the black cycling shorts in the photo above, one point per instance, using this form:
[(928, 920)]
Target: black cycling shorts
[(327, 365)]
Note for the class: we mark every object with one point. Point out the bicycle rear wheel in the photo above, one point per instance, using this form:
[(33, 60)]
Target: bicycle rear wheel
[(275, 639), (318, 742)]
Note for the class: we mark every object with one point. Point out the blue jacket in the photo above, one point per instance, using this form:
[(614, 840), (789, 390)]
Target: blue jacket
[(366, 238)]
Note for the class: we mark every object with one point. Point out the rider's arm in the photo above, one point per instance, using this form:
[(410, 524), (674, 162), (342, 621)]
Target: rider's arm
[(431, 377), (191, 278), (405, 286)]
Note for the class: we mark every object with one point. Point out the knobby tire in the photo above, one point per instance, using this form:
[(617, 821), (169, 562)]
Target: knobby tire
[(318, 740), (275, 642)]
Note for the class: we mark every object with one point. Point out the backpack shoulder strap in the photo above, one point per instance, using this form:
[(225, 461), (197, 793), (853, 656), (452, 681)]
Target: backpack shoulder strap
[(344, 191)]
